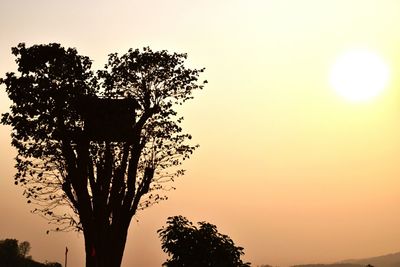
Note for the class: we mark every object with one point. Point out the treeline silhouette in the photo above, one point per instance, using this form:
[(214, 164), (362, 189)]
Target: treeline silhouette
[(16, 254), (327, 265)]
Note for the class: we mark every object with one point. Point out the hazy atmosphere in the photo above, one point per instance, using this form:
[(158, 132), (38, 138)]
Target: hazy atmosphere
[(291, 169)]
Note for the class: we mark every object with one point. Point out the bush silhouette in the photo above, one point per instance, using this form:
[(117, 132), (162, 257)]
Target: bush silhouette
[(188, 245)]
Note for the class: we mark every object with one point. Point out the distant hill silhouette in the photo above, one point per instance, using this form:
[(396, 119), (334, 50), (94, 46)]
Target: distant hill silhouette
[(331, 265), (389, 260)]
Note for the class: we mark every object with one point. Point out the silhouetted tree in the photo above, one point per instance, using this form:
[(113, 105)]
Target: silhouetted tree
[(104, 143), (188, 245), (14, 254), (24, 248)]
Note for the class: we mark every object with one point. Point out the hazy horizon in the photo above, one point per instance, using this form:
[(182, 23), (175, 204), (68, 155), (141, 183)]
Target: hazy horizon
[(289, 169)]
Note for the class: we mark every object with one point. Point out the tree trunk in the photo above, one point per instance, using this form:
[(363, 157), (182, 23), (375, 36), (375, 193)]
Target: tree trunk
[(105, 248)]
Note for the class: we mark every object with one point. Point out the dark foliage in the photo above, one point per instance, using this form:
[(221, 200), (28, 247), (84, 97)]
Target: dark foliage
[(105, 144), (14, 254), (188, 245), (50, 81)]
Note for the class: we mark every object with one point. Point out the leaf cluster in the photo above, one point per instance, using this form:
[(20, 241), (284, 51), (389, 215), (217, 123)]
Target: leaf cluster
[(188, 245)]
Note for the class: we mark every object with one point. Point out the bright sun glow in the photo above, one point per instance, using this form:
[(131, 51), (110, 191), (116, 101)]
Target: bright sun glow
[(359, 75)]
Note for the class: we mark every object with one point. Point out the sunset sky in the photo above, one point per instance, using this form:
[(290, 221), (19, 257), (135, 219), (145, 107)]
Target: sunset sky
[(287, 167)]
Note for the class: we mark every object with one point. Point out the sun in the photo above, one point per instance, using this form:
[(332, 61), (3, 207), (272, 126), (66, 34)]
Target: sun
[(359, 75)]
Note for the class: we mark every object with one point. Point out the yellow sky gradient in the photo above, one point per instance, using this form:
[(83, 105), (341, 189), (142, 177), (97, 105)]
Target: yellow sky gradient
[(287, 168)]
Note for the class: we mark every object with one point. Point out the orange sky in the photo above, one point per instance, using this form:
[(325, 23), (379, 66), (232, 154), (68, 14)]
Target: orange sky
[(287, 168)]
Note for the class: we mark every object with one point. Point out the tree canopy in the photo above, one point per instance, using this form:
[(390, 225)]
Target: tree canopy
[(104, 143), (188, 245)]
